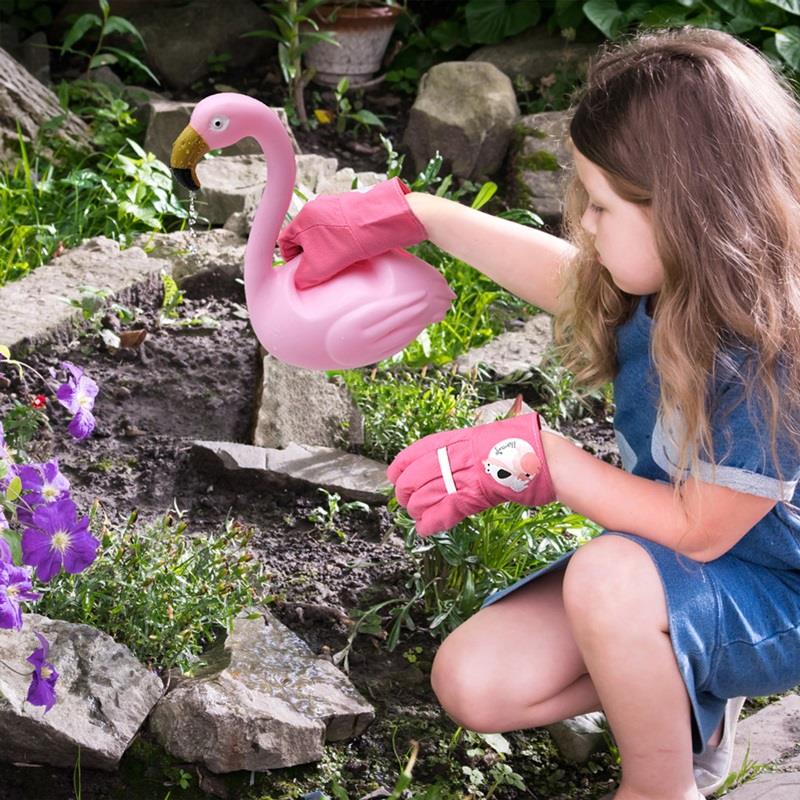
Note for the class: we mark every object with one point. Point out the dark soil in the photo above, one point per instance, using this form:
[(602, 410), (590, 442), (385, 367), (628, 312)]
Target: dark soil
[(153, 402)]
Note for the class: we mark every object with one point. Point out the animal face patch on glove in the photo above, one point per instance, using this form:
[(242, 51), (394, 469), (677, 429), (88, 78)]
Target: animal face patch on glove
[(513, 463)]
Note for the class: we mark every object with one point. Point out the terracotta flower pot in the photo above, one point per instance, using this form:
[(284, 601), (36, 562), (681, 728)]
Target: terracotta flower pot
[(363, 33)]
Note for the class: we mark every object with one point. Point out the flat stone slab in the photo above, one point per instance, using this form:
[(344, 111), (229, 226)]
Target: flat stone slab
[(352, 476), (37, 308), (773, 786), (770, 733)]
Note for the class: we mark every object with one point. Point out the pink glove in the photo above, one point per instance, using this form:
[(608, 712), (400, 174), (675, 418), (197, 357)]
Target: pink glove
[(336, 230), (447, 476)]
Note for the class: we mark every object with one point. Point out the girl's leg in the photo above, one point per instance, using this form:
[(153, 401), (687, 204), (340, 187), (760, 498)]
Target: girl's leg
[(615, 603), (514, 664)]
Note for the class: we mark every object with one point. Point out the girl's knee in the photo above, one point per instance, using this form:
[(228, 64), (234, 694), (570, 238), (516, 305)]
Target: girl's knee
[(462, 684), (606, 577)]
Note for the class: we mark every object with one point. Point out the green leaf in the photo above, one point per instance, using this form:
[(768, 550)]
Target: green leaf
[(367, 118), (105, 8), (485, 194), (792, 6), (78, 30), (605, 15), (787, 42), (14, 489), (497, 742), (126, 56), (121, 25), (308, 7), (491, 21), (103, 60), (4, 351)]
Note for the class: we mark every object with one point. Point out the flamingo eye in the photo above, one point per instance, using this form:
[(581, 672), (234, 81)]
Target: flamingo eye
[(219, 123)]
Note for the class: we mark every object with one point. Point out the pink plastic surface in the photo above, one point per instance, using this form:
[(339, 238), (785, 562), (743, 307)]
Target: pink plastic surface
[(360, 316)]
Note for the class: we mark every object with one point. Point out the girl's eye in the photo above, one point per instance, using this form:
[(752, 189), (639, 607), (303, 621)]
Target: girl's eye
[(595, 208)]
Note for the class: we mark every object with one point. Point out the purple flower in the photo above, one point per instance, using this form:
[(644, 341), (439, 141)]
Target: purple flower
[(77, 396), (42, 691), (15, 585), (43, 484), (3, 526), (57, 537)]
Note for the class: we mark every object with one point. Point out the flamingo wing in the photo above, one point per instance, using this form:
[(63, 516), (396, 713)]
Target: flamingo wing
[(381, 327)]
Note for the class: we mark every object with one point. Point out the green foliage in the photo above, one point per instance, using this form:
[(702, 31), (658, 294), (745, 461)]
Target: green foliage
[(456, 570), (772, 25), (326, 517), (491, 21), (103, 54), (55, 197), (22, 423), (401, 406), (159, 590), (173, 296), (295, 31), (345, 111)]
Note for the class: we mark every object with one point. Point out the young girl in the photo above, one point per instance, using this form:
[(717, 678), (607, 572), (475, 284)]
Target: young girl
[(679, 279)]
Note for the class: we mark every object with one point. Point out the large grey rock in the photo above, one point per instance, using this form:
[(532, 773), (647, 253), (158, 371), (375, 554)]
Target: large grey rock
[(347, 179), (541, 163), (212, 29), (209, 255), (36, 307), (264, 701), (229, 184), (351, 476), (534, 54), (27, 102), (302, 405), (103, 695), (511, 352), (578, 738), (315, 176), (312, 169), (167, 118), (466, 111)]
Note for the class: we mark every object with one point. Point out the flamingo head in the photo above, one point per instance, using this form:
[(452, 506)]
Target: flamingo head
[(217, 121)]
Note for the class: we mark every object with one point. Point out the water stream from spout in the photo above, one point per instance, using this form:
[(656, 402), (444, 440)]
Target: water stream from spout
[(192, 221)]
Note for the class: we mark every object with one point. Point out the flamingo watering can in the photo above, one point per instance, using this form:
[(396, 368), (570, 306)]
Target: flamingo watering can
[(365, 313)]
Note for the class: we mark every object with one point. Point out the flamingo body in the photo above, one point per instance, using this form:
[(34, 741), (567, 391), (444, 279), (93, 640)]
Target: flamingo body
[(365, 313)]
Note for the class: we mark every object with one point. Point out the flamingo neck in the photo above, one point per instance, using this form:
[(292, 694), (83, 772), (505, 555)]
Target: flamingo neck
[(275, 199)]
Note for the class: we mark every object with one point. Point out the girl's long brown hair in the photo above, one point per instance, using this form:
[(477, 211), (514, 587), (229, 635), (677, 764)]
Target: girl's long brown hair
[(696, 125)]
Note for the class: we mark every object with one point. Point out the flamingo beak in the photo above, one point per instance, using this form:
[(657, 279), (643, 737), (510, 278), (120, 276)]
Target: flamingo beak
[(187, 151)]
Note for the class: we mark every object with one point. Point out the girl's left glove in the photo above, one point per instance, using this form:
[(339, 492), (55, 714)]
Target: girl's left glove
[(333, 231), (447, 476)]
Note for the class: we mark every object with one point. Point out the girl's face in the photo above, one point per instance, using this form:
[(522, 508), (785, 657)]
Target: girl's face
[(622, 231)]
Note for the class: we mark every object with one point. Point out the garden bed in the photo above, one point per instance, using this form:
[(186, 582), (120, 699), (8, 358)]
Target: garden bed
[(185, 385)]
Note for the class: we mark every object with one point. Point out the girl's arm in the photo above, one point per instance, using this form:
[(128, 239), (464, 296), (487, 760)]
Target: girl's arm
[(523, 260), (716, 518)]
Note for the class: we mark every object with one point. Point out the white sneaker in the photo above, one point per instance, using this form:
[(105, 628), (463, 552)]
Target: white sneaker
[(713, 766)]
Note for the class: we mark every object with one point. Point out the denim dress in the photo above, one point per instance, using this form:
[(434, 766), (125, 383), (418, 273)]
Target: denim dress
[(734, 622)]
